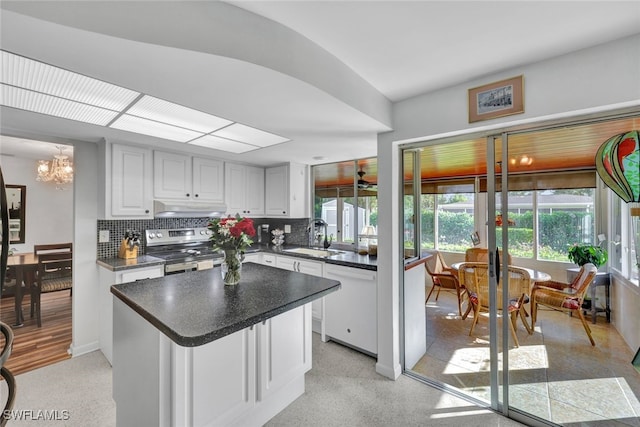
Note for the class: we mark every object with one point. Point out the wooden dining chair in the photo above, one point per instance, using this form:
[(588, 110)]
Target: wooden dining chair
[(444, 277), (52, 247), (54, 273), (566, 297), (475, 278)]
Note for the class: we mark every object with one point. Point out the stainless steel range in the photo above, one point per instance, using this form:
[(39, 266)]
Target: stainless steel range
[(183, 249)]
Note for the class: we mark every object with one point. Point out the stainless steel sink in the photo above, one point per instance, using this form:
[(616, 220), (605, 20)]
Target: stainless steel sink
[(320, 253)]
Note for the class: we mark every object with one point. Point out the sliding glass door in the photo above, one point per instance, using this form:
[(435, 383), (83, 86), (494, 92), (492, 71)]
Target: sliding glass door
[(521, 200)]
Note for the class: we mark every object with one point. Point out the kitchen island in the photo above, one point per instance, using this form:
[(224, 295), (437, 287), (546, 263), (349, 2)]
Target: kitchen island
[(188, 350)]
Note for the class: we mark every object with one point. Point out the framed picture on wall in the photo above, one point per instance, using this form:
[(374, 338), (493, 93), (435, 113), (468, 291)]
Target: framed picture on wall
[(475, 239), (497, 99)]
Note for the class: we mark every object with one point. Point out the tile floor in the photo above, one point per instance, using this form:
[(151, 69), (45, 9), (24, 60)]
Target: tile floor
[(555, 374)]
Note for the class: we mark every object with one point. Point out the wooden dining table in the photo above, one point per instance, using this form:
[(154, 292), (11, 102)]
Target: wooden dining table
[(24, 266)]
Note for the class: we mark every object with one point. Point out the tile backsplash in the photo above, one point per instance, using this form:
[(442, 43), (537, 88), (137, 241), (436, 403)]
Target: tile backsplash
[(117, 228)]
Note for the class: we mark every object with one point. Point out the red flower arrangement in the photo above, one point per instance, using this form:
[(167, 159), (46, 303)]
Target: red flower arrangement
[(232, 233)]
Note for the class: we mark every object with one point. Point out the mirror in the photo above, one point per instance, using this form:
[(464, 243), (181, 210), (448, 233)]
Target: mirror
[(16, 198)]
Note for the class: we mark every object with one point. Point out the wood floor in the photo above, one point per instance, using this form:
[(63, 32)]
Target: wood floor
[(35, 347)]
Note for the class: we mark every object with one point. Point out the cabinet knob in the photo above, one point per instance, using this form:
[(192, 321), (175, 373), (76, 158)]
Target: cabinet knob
[(284, 212), (146, 211), (187, 194), (195, 195), (348, 330)]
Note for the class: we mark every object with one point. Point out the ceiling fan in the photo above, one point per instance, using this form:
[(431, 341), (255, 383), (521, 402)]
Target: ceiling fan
[(363, 184)]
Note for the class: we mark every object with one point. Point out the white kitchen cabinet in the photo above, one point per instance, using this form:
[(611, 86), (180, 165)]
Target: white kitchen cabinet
[(312, 268), (285, 350), (253, 257), (286, 191), (351, 313), (128, 181), (244, 189), (105, 315), (208, 180), (269, 259), (242, 379), (181, 177)]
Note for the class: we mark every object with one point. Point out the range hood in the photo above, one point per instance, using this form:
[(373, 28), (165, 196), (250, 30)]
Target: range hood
[(187, 209)]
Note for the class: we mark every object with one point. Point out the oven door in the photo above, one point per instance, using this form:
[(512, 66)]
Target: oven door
[(180, 267)]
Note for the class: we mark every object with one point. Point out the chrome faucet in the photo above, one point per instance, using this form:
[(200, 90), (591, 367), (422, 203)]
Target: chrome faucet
[(314, 237)]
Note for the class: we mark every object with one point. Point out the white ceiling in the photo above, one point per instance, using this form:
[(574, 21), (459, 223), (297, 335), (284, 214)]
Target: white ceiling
[(378, 52)]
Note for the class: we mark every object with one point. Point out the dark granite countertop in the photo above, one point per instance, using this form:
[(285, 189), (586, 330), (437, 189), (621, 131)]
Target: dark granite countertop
[(346, 259), (119, 264), (195, 308)]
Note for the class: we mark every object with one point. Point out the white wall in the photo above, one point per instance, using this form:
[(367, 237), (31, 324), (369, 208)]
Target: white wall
[(594, 80), (85, 270), (625, 309), (49, 211)]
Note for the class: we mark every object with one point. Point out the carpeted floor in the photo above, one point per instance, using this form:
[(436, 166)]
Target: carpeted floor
[(342, 389)]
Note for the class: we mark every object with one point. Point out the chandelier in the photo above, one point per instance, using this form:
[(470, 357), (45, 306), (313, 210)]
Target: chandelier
[(59, 170)]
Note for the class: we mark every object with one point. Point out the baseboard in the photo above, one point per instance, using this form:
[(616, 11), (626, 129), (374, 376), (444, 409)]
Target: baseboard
[(392, 372), (83, 349)]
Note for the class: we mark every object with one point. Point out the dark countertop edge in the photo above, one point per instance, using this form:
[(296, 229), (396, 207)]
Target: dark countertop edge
[(351, 264), (119, 264), (219, 333), (328, 260)]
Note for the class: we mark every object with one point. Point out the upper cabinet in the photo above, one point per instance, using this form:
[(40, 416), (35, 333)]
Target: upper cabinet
[(244, 189), (181, 177), (285, 191), (128, 189)]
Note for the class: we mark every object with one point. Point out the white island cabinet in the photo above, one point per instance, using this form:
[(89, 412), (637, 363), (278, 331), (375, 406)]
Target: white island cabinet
[(190, 351), (242, 379)]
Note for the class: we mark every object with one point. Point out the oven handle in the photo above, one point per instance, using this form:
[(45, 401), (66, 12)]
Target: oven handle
[(171, 268)]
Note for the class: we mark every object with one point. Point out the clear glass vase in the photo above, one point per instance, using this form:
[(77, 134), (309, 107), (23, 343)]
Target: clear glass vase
[(231, 267)]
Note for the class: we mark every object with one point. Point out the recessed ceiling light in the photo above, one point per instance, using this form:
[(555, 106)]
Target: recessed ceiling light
[(44, 78), (157, 129), (34, 86), (160, 110), (224, 144), (242, 133), (46, 104)]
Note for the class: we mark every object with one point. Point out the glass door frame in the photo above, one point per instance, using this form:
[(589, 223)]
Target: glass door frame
[(499, 402)]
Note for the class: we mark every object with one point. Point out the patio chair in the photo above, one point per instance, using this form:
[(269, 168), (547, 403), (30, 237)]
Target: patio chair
[(444, 278), (566, 297), (474, 276), (480, 255)]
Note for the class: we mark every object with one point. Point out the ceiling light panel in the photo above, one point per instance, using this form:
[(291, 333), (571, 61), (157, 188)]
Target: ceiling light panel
[(160, 110), (40, 77), (53, 106), (249, 135), (153, 128), (210, 141)]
